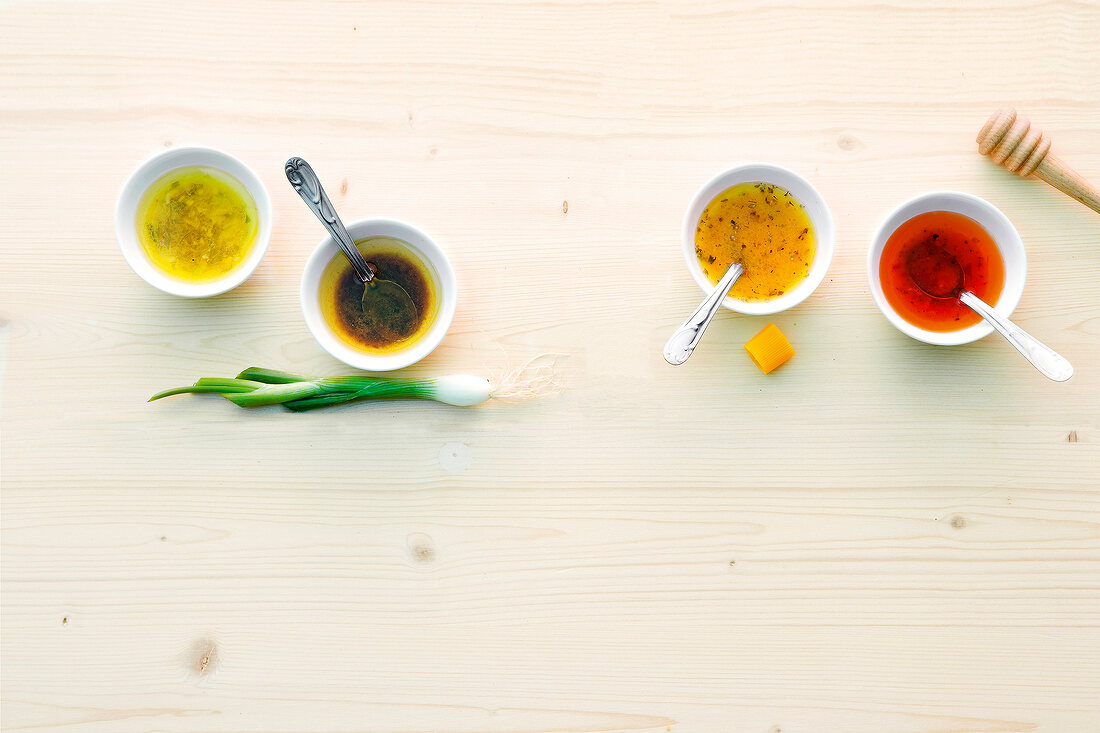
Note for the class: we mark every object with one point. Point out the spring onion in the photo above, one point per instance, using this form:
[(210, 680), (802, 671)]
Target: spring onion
[(258, 387)]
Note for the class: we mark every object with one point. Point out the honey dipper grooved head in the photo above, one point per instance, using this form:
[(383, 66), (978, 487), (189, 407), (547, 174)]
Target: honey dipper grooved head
[(1011, 142), (994, 129)]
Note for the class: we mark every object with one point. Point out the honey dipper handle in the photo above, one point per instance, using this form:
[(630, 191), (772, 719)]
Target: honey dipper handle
[(1068, 181)]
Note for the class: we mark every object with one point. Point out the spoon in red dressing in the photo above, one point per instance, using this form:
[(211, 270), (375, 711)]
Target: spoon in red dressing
[(936, 272)]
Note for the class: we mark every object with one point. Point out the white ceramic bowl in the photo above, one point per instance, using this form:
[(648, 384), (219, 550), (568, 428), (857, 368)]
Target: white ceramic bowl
[(993, 221), (151, 171), (421, 245), (801, 189)]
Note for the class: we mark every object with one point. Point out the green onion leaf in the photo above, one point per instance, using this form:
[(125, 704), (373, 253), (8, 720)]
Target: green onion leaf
[(270, 376)]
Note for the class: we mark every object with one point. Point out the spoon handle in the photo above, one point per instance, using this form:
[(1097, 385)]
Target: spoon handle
[(1044, 358), (309, 187), (684, 339)]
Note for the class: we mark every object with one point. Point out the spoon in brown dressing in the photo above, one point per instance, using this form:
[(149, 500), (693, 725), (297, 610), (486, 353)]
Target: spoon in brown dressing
[(936, 272), (387, 306)]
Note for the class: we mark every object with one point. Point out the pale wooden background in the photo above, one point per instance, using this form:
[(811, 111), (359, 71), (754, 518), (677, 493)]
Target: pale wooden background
[(882, 536)]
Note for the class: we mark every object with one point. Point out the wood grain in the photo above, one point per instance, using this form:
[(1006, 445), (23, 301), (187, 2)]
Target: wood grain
[(880, 536)]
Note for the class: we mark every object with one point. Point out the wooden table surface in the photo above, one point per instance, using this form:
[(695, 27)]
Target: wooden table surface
[(881, 536)]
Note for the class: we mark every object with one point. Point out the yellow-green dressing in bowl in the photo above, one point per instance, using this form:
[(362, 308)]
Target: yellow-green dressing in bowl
[(197, 224)]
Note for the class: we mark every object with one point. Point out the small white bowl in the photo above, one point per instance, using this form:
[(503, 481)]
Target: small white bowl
[(993, 221), (420, 245), (153, 170), (806, 194)]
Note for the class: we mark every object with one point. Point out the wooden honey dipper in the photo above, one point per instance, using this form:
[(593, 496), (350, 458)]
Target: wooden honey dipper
[(1011, 141)]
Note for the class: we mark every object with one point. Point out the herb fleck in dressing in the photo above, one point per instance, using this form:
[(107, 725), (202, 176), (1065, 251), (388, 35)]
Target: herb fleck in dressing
[(763, 227), (196, 224)]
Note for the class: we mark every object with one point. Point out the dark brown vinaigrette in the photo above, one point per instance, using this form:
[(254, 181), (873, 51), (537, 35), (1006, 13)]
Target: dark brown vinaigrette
[(342, 298)]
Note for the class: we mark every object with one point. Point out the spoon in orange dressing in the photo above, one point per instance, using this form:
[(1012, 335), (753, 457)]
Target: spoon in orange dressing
[(686, 337), (936, 271)]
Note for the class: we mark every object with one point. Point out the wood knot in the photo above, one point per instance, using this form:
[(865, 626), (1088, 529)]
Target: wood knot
[(203, 657), (421, 548), (565, 207), (344, 187), (958, 522), (849, 142), (1072, 437), (1012, 142)]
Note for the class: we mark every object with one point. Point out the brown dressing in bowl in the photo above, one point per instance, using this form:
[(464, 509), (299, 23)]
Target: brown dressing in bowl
[(341, 296)]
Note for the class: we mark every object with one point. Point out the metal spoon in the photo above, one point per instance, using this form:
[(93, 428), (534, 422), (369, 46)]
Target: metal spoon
[(936, 272), (387, 306), (686, 337)]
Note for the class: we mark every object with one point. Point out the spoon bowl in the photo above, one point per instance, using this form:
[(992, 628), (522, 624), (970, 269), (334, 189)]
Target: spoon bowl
[(388, 307), (935, 271)]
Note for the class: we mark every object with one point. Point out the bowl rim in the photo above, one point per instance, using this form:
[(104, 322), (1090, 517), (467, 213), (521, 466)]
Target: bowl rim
[(1010, 245), (156, 167), (423, 245), (823, 223)]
